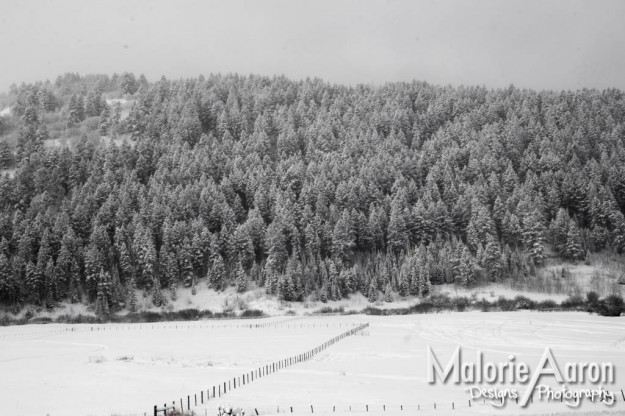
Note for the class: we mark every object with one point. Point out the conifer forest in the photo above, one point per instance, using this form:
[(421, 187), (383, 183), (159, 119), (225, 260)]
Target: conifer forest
[(303, 188)]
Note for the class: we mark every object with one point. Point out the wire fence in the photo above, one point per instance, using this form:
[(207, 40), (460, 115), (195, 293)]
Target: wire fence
[(287, 323), (444, 407)]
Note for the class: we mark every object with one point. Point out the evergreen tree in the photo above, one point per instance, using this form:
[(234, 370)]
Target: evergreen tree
[(143, 247), (466, 274), (104, 124), (241, 278), (217, 274), (7, 286), (343, 238), (372, 293), (573, 248), (492, 259), (533, 231), (388, 293)]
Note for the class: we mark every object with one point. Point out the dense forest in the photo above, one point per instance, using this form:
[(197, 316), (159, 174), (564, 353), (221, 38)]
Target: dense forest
[(300, 187)]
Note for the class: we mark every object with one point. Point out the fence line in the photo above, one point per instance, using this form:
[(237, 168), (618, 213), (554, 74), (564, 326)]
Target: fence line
[(619, 397), (222, 388), (201, 324)]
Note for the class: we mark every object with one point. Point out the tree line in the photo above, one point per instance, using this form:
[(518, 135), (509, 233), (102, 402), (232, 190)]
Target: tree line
[(302, 187)]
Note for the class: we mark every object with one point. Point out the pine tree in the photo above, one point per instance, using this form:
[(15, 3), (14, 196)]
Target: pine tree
[(185, 257), (559, 228), (372, 293), (334, 291), (51, 282), (244, 246), (74, 282), (533, 239), (169, 270), (323, 293), (93, 265), (128, 83), (473, 239), (104, 124), (388, 293), (143, 247), (492, 259), (573, 248), (343, 238), (103, 293), (286, 290), (76, 111), (397, 229), (217, 274), (466, 274), (7, 290), (131, 289), (123, 257), (158, 299), (241, 278)]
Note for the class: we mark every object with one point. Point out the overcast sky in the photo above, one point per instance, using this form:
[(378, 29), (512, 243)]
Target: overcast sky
[(542, 44)]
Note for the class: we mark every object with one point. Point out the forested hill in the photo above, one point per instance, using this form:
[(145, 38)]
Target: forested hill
[(299, 186)]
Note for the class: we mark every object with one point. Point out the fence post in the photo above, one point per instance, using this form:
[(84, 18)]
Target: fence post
[(311, 409), (188, 402), (155, 410)]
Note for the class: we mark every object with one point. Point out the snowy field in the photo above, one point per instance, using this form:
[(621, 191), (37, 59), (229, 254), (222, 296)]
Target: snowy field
[(125, 369)]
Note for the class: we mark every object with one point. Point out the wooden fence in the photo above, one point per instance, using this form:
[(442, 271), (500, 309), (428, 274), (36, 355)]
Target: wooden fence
[(218, 390)]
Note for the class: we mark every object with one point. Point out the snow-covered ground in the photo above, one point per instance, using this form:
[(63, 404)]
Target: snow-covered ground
[(5, 112), (206, 298), (494, 291), (126, 369), (231, 300)]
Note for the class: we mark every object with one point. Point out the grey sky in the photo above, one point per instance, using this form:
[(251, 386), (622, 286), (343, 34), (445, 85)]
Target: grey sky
[(548, 44)]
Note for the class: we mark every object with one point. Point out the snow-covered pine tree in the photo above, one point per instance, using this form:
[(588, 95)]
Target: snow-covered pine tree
[(388, 292), (240, 278), (217, 274), (491, 259), (372, 293), (573, 248)]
